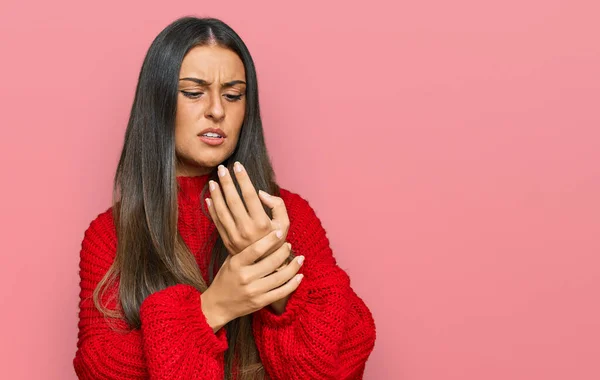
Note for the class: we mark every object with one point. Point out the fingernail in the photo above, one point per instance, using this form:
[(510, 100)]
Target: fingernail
[(208, 202), (222, 171), (212, 185), (299, 277), (237, 167), (279, 233), (300, 260), (289, 245), (264, 193)]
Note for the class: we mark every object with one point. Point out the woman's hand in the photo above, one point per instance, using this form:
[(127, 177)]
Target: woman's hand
[(237, 227), (243, 286)]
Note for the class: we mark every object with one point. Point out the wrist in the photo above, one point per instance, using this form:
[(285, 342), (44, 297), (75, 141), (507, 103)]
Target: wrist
[(215, 318)]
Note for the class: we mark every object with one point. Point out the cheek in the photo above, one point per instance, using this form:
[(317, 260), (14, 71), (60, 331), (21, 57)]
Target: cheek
[(240, 114), (185, 119), (237, 118), (183, 115), (180, 143), (183, 128)]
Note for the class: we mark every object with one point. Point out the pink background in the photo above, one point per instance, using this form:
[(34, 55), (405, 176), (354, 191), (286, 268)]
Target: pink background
[(451, 149)]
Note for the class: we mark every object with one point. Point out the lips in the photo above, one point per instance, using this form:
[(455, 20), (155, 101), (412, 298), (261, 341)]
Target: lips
[(213, 130), (212, 141)]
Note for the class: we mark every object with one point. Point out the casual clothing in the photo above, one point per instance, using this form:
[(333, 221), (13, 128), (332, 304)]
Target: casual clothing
[(326, 331)]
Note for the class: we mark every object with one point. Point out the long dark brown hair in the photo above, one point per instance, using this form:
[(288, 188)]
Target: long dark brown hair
[(151, 254)]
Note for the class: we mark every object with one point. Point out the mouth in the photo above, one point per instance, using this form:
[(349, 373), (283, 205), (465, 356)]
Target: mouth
[(212, 139)]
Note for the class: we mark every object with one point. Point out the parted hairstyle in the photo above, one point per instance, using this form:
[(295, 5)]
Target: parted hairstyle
[(151, 254)]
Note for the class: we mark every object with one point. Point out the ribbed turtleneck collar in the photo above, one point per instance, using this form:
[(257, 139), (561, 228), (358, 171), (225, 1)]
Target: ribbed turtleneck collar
[(190, 187)]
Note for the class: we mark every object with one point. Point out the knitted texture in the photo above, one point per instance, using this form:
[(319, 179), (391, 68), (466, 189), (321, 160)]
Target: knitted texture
[(325, 332)]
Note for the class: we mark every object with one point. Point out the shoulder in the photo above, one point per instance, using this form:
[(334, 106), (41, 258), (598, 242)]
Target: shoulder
[(297, 206), (99, 242), (304, 221), (289, 197)]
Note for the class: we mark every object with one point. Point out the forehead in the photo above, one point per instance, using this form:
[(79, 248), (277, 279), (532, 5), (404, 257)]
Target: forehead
[(207, 62)]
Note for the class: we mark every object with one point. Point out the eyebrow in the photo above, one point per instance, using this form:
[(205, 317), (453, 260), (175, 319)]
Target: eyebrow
[(202, 82)]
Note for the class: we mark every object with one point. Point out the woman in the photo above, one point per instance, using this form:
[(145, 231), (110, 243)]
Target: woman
[(203, 283)]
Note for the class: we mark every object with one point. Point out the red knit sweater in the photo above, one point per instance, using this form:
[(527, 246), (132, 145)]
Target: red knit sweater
[(326, 331)]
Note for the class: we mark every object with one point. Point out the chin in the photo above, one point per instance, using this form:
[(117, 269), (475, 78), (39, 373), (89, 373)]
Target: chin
[(208, 162), (204, 158)]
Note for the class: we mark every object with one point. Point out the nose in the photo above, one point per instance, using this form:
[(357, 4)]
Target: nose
[(215, 109)]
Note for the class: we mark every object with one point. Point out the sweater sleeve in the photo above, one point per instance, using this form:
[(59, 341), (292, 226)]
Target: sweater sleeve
[(174, 342), (326, 330)]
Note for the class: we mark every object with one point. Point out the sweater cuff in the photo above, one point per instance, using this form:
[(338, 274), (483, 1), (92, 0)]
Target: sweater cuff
[(176, 311), (296, 304)]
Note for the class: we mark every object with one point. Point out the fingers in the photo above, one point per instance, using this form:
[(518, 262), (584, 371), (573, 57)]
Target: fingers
[(232, 198), (270, 263), (215, 218), (276, 279), (220, 208), (293, 281), (259, 248), (253, 204), (278, 209)]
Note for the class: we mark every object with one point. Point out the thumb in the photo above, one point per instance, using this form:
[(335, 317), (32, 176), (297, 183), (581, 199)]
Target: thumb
[(266, 198), (276, 205)]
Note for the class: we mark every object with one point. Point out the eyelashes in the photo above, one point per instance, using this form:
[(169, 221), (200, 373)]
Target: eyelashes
[(196, 95)]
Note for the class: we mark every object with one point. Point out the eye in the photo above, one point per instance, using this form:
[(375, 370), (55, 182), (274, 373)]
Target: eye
[(191, 95), (233, 98)]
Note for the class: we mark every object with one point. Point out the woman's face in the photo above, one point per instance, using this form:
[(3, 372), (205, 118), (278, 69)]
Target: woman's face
[(212, 94)]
